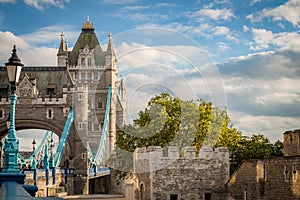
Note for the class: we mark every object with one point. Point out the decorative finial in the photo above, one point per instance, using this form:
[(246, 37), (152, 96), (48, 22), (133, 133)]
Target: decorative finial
[(14, 49), (62, 36), (88, 18)]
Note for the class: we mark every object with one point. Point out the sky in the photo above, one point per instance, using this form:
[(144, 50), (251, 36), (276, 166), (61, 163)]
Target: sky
[(241, 55)]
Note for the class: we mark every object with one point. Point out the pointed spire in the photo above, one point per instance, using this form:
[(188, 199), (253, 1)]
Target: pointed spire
[(122, 84), (67, 43), (110, 47), (61, 49)]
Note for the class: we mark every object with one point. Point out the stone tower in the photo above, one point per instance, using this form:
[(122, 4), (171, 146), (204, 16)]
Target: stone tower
[(291, 143), (94, 69)]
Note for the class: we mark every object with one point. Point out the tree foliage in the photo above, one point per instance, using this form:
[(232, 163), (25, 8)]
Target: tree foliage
[(173, 121)]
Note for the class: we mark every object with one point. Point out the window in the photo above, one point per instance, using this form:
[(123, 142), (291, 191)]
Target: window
[(49, 113), (142, 191), (80, 125), (96, 127), (100, 104), (173, 196), (286, 173), (82, 62), (96, 75), (89, 75), (79, 97), (50, 92), (89, 62), (1, 113), (90, 124), (294, 172)]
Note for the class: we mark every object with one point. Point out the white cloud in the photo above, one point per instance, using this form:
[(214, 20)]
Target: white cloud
[(215, 14), (28, 54), (41, 4), (285, 40), (160, 5), (290, 11), (117, 2), (245, 28), (50, 34), (7, 1), (272, 127)]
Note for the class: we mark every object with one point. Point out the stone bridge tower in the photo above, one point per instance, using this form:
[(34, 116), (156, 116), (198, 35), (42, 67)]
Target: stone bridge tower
[(80, 81)]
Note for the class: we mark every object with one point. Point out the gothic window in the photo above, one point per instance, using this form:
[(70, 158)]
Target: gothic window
[(90, 126), (96, 75), (1, 113), (82, 62), (49, 113), (89, 62), (96, 127), (90, 75), (100, 106), (142, 191)]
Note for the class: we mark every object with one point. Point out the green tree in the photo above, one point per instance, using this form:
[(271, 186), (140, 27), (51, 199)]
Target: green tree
[(173, 121)]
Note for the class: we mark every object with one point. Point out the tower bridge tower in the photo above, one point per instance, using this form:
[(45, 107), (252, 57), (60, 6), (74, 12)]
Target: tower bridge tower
[(80, 81), (91, 67)]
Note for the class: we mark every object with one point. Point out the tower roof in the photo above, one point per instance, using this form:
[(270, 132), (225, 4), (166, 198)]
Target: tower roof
[(88, 25), (89, 38)]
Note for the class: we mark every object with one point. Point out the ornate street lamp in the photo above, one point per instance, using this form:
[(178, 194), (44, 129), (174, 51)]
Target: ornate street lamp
[(11, 146)]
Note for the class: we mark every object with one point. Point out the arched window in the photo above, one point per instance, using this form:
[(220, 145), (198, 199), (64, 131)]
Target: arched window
[(82, 62), (142, 191), (89, 62)]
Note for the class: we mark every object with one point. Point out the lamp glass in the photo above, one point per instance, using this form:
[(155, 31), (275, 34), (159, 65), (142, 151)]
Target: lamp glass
[(13, 73)]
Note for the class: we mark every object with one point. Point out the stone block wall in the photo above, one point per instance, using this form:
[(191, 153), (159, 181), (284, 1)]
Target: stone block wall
[(292, 143), (270, 179), (188, 177)]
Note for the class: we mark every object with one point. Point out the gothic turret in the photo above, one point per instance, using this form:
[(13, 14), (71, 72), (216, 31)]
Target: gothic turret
[(62, 54), (110, 57)]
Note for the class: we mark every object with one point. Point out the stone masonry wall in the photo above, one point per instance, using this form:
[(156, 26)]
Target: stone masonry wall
[(270, 179), (189, 177)]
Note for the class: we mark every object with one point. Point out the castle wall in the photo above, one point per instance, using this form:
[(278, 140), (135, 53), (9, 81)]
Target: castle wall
[(270, 179), (188, 177)]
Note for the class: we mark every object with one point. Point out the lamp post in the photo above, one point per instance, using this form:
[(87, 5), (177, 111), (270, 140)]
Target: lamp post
[(11, 146), (33, 145)]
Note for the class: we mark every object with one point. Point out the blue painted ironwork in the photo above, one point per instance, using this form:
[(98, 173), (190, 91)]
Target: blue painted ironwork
[(63, 138), (11, 143), (104, 135), (39, 151)]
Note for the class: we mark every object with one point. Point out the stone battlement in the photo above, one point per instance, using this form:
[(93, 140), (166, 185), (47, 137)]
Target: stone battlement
[(173, 153), (152, 159)]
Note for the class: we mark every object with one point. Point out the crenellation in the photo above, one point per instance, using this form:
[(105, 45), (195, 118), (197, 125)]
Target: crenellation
[(190, 152), (173, 152)]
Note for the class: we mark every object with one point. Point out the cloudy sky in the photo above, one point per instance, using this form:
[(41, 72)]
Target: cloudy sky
[(242, 55)]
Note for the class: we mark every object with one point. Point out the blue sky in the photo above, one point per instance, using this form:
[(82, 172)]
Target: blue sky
[(243, 55)]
